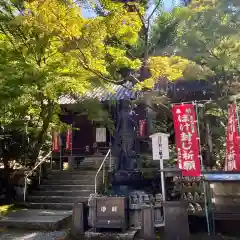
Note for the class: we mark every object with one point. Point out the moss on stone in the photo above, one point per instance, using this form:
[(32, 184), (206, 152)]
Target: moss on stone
[(5, 209)]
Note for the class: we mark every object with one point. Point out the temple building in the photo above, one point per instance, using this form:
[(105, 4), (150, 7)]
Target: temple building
[(133, 119)]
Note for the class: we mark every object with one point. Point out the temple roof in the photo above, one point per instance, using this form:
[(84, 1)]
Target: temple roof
[(114, 92), (178, 91)]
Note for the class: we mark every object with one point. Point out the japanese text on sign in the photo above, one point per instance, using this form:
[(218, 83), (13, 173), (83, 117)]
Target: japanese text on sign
[(186, 139), (113, 209), (103, 209), (232, 141)]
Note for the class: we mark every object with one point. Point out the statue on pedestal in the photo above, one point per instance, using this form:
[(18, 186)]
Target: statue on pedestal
[(127, 134)]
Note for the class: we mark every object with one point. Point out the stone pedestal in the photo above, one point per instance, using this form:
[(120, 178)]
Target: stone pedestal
[(71, 163), (135, 218), (77, 228), (92, 212), (176, 220), (148, 225), (111, 213), (158, 214)]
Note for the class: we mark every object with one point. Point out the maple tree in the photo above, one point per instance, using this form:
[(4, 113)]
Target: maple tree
[(39, 66), (49, 50)]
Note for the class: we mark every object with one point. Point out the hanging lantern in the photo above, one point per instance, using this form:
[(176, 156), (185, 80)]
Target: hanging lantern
[(69, 140), (55, 141), (142, 128)]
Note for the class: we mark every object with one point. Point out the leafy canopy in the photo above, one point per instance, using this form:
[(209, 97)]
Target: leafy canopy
[(210, 37), (49, 50)]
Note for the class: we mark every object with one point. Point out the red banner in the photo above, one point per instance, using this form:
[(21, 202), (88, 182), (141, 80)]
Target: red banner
[(142, 128), (55, 142), (232, 162), (69, 140), (187, 140)]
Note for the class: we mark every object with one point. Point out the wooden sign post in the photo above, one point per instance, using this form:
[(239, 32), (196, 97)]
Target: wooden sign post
[(160, 153)]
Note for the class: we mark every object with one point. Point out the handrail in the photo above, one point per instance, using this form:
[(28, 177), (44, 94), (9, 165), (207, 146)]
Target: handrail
[(27, 175), (100, 168)]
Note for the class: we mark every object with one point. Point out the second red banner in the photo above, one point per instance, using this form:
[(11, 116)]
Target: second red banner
[(232, 141)]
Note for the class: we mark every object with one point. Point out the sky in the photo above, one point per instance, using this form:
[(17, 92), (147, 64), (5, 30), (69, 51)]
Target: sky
[(168, 4)]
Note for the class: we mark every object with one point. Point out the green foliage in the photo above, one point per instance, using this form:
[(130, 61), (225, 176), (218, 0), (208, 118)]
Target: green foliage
[(6, 209), (164, 31), (158, 47), (207, 34), (170, 67), (48, 50), (211, 38)]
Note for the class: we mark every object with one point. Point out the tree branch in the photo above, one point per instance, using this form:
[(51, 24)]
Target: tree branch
[(154, 10), (140, 16)]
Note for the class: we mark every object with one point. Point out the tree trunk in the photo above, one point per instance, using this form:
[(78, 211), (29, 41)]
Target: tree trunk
[(209, 143), (40, 142), (6, 163), (41, 137), (7, 183)]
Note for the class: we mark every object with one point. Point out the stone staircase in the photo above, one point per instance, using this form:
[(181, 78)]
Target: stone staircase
[(50, 206), (61, 189)]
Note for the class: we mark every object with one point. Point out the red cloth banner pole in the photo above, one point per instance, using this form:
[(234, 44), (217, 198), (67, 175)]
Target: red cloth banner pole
[(69, 140), (232, 162), (55, 142), (186, 135)]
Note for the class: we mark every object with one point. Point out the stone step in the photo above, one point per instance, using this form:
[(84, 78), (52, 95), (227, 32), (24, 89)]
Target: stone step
[(88, 167), (80, 172), (64, 181), (83, 166), (73, 175), (69, 171), (129, 234), (98, 158), (94, 158), (96, 162), (58, 199), (37, 219), (47, 206), (66, 187), (84, 193), (70, 177)]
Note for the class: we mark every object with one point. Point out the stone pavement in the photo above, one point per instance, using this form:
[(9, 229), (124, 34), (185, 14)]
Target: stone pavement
[(10, 234), (37, 219)]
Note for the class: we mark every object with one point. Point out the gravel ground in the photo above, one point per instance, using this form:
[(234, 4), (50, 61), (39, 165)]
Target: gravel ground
[(33, 235), (12, 234)]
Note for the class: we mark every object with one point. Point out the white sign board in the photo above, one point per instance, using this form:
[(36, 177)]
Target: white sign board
[(100, 134), (160, 143)]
